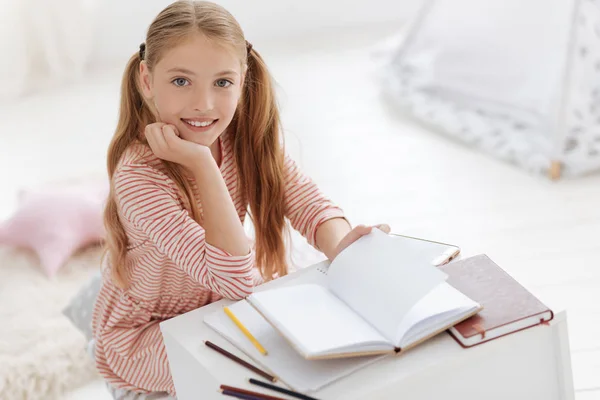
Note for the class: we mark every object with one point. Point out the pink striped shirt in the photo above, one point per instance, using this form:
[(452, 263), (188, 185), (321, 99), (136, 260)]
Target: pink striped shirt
[(170, 267)]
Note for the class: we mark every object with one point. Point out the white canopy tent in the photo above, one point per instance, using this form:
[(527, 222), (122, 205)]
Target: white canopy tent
[(517, 79)]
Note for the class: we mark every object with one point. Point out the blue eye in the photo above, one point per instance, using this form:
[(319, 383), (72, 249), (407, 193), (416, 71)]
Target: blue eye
[(223, 83), (180, 82)]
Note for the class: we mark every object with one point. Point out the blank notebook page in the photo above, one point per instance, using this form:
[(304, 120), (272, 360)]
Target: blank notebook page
[(282, 360), (444, 299), (382, 279), (315, 318)]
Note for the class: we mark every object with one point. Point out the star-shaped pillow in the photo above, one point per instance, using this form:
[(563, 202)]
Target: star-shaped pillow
[(57, 221)]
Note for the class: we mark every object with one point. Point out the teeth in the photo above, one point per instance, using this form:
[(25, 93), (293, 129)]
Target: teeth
[(198, 123)]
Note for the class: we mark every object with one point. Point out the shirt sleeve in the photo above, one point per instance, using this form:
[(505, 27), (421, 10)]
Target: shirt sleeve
[(150, 203), (306, 207)]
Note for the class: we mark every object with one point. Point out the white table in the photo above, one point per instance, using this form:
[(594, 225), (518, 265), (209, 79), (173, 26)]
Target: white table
[(532, 364)]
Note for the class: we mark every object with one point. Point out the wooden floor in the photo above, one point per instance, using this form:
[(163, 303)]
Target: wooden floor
[(380, 168)]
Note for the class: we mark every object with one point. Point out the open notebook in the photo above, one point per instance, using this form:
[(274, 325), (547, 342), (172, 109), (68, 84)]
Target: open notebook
[(378, 297), (283, 360)]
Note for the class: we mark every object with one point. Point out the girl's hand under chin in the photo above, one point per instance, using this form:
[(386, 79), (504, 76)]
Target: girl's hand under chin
[(165, 143)]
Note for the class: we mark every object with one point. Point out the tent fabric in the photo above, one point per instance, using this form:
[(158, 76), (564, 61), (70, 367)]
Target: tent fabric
[(518, 80)]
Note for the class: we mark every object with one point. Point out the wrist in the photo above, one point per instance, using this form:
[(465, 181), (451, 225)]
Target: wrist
[(330, 235), (205, 170), (199, 159)]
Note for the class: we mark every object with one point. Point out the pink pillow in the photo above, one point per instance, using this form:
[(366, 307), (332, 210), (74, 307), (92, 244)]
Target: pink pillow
[(57, 221)]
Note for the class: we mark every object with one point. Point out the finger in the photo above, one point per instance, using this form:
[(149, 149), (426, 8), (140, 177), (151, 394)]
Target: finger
[(362, 229), (352, 237), (175, 130), (170, 135), (150, 139), (383, 227), (159, 138), (153, 126), (153, 129), (359, 230), (155, 139), (356, 234)]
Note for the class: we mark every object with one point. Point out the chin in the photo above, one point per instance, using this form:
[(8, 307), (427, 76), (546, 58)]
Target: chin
[(204, 141), (202, 138)]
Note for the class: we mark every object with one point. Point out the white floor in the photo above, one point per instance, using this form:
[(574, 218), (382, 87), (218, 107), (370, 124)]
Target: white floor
[(377, 166)]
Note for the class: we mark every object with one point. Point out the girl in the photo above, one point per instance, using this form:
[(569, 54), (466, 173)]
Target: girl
[(197, 144)]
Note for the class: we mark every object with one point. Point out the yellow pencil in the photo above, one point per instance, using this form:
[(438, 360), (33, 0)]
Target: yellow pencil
[(245, 331)]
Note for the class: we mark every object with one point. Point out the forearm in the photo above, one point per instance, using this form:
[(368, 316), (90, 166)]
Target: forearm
[(220, 219), (329, 235)]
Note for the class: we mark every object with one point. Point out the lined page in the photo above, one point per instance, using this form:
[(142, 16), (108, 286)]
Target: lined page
[(282, 359), (382, 279), (315, 320)]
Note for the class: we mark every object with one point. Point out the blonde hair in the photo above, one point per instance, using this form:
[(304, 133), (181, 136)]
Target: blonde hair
[(257, 148)]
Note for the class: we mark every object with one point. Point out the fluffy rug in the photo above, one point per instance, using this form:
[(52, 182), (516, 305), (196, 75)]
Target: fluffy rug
[(42, 355)]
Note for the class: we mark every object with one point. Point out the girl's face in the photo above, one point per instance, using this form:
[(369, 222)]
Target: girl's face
[(196, 87)]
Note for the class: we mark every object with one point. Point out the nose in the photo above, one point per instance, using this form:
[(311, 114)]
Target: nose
[(203, 99)]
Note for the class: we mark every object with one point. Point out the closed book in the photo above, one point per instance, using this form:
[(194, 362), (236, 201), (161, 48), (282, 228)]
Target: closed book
[(508, 306)]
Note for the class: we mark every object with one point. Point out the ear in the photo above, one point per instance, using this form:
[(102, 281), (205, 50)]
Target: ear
[(145, 80)]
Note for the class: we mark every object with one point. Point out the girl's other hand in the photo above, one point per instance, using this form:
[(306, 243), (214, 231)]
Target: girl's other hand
[(356, 233)]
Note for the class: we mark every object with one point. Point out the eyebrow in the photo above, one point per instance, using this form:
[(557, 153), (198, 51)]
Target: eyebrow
[(188, 72), (227, 72), (181, 70)]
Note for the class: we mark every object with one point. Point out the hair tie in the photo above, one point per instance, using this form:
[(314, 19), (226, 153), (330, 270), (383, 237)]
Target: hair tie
[(142, 51), (248, 46)]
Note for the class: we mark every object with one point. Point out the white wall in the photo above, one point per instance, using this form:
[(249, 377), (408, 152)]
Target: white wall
[(121, 25)]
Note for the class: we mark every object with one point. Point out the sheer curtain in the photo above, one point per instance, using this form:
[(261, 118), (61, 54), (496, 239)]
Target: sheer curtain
[(43, 44)]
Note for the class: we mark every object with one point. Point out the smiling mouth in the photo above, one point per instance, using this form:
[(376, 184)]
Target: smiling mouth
[(200, 124)]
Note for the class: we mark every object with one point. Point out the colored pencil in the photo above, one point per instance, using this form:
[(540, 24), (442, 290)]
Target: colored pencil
[(245, 331), (281, 390), (259, 395), (238, 360), (241, 396)]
